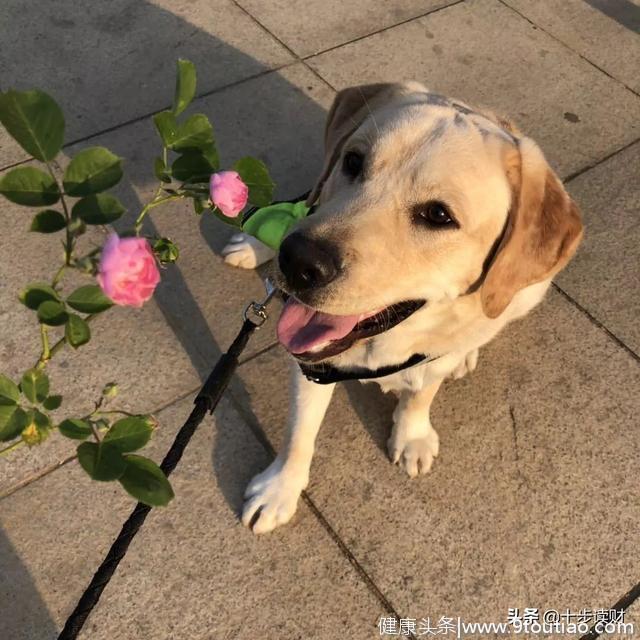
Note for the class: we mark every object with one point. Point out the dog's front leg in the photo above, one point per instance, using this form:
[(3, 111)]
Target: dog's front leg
[(272, 496), (414, 442)]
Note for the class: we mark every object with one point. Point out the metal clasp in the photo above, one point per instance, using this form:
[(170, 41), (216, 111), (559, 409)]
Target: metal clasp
[(259, 309)]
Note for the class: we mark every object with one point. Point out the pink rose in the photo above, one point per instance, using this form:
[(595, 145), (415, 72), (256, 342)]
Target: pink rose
[(228, 192), (128, 270)]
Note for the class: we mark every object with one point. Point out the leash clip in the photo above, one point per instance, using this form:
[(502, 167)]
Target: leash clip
[(258, 310)]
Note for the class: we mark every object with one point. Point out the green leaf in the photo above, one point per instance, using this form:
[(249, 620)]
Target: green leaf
[(52, 313), (185, 86), (256, 176), (161, 170), (271, 224), (210, 152), (52, 403), (166, 251), (35, 122), (167, 126), (89, 299), (75, 429), (101, 461), (195, 133), (35, 385), (199, 205), (48, 221), (35, 293), (102, 208), (9, 390), (13, 420), (192, 166), (77, 331), (130, 434), (92, 170), (146, 482), (37, 429), (30, 187)]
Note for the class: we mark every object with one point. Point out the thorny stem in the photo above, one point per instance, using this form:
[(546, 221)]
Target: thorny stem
[(157, 200), (68, 244)]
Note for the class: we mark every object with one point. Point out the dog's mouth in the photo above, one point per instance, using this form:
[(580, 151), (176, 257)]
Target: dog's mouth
[(312, 335)]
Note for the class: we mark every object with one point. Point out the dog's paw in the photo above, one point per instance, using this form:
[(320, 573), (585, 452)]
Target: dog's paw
[(467, 365), (271, 498), (246, 252), (414, 455)]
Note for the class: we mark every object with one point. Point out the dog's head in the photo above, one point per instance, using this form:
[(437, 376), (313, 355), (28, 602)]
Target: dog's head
[(421, 199)]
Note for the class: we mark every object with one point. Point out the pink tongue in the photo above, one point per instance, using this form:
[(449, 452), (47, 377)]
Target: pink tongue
[(301, 328)]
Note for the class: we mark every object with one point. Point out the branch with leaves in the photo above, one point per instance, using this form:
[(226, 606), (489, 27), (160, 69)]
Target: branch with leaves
[(123, 272)]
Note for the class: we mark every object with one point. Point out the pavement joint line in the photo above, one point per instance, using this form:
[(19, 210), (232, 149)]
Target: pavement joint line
[(612, 336), (383, 29), (41, 473), (564, 44), (593, 165), (145, 116), (240, 81), (263, 440)]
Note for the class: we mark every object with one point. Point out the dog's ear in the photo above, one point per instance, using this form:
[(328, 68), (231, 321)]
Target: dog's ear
[(349, 110), (542, 233)]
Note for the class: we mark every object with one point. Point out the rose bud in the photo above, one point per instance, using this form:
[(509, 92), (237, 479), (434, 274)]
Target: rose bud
[(228, 192), (128, 272)]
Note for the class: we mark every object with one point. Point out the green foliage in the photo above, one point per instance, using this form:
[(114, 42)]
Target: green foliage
[(9, 391), (34, 294), (75, 429), (192, 166), (48, 221), (91, 171), (52, 402), (38, 427), (30, 187), (166, 251), (77, 331), (102, 208), (13, 419), (35, 122), (101, 461), (35, 385), (146, 482), (161, 170), (256, 176), (188, 159), (89, 299), (185, 86), (130, 433), (52, 313)]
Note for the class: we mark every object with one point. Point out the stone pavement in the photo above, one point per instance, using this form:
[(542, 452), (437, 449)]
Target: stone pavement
[(534, 500)]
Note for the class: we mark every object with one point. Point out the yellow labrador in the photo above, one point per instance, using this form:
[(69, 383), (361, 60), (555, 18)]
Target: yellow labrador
[(436, 224)]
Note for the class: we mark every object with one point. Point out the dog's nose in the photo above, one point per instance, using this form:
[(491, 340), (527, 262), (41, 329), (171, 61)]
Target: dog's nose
[(307, 263)]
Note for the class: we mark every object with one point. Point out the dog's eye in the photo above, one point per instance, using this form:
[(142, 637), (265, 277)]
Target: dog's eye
[(353, 164), (434, 214)]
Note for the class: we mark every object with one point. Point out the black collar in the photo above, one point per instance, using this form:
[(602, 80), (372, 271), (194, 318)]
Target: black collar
[(328, 374)]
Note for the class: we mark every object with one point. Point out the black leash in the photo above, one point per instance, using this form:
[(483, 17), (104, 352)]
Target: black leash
[(206, 401)]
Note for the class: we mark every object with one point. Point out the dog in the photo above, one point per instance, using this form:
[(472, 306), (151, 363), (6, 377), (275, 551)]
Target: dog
[(436, 224)]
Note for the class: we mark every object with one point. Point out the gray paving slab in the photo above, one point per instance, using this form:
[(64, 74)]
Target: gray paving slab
[(483, 52), (192, 572), (606, 33), (197, 308), (533, 500), (604, 276), (116, 62), (312, 26)]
